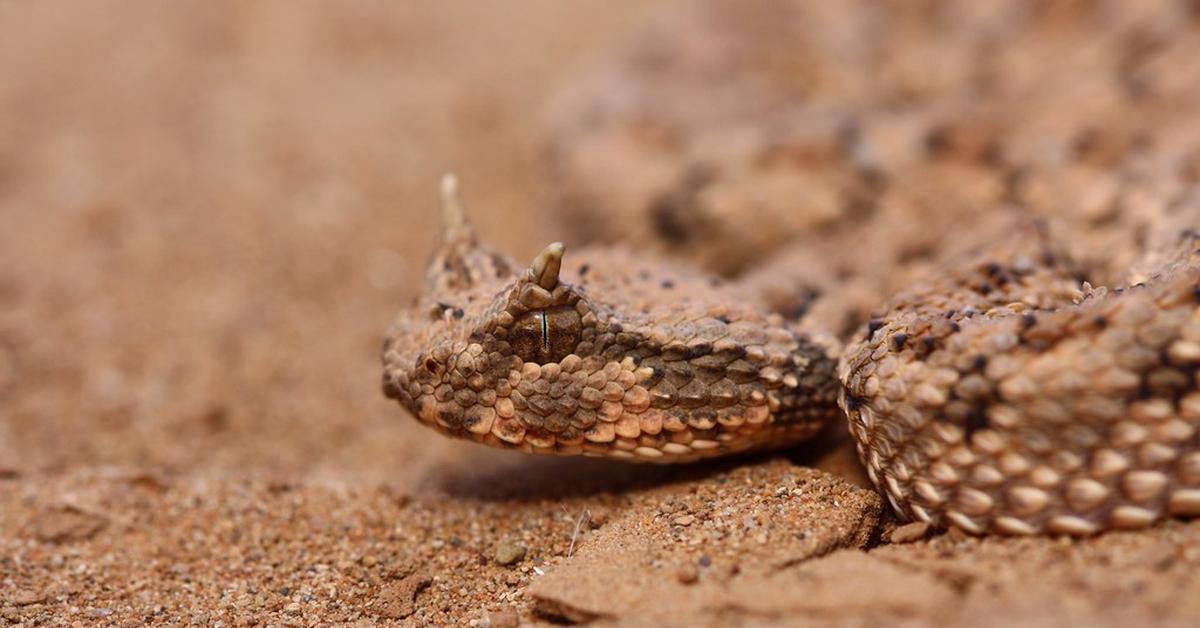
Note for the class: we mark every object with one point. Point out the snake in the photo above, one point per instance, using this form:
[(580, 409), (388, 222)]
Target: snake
[(1002, 368)]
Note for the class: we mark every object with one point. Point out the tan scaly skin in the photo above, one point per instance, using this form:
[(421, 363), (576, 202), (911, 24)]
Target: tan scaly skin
[(589, 354), (1003, 395), (1006, 396)]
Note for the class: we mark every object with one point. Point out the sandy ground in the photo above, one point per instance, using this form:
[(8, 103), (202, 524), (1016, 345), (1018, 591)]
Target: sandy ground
[(210, 212)]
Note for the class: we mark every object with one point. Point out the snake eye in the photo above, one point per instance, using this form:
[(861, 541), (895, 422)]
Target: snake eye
[(545, 336)]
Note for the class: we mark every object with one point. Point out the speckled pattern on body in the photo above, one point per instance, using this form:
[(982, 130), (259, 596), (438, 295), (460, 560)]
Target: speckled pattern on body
[(999, 397)]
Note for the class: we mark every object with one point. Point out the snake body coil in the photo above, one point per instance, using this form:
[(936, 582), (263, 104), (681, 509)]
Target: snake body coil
[(1001, 398)]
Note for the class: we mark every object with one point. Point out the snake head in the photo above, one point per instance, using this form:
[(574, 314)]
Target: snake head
[(614, 354), (475, 298)]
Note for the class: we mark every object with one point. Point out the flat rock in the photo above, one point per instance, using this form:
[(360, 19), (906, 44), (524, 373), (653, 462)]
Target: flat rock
[(728, 533), (64, 524)]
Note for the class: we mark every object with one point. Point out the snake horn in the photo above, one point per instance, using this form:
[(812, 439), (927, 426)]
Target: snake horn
[(454, 216), (547, 264)]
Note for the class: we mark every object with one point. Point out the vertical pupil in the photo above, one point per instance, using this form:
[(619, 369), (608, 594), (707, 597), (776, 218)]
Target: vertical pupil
[(545, 320)]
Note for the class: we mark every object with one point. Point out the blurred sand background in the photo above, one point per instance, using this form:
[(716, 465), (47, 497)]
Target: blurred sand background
[(212, 210)]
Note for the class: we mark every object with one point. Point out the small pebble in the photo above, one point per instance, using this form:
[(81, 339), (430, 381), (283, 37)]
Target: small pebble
[(687, 574), (25, 598), (597, 519), (509, 553), (684, 520), (504, 619), (910, 532)]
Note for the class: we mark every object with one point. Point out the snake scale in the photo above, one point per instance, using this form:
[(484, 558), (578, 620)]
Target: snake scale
[(964, 228)]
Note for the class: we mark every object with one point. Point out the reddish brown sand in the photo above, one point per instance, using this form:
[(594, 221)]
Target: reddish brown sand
[(210, 213)]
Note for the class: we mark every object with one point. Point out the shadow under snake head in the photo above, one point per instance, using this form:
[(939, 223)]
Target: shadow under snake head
[(616, 354)]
